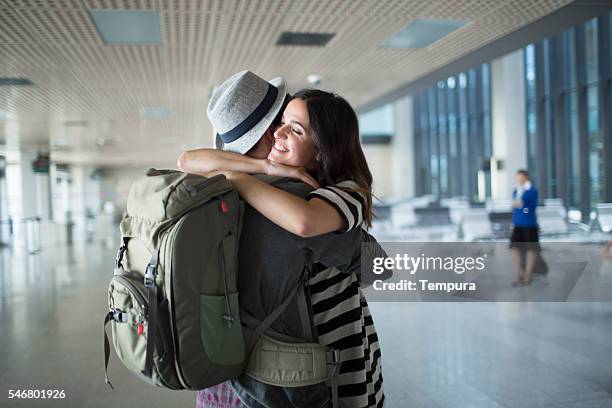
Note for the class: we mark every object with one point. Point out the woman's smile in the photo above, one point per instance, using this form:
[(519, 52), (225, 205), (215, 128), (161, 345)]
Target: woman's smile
[(280, 148)]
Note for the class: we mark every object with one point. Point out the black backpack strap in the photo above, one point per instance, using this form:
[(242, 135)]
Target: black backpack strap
[(149, 282), (107, 318), (119, 317), (275, 314), (119, 257), (263, 326)]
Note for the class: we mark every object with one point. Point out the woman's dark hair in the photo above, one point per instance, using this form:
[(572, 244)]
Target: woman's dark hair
[(523, 172), (335, 132)]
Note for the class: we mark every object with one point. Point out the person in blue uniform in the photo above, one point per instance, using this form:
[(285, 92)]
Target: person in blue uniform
[(524, 240)]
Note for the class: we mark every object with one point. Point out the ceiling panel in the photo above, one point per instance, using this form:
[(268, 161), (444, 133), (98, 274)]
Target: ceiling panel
[(78, 77)]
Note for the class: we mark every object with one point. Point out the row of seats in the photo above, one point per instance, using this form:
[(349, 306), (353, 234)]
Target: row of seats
[(478, 221)]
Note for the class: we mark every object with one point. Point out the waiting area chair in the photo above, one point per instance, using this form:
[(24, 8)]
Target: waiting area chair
[(476, 224), (604, 216), (551, 220)]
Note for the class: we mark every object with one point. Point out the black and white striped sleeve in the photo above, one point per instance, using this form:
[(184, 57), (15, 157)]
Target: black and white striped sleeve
[(349, 204)]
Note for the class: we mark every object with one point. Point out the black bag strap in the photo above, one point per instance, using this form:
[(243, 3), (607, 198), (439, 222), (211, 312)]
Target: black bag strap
[(120, 253), (275, 314), (149, 282), (107, 318), (117, 316)]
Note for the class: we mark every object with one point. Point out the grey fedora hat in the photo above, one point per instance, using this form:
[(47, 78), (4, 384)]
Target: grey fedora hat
[(242, 108)]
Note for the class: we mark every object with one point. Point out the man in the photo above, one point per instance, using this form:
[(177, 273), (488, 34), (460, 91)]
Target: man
[(524, 239), (245, 110)]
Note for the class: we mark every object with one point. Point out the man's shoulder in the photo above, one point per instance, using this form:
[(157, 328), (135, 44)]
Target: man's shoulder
[(287, 184), (296, 187)]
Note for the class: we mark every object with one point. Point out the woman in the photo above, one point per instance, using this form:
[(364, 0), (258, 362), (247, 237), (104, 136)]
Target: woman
[(524, 240), (318, 133)]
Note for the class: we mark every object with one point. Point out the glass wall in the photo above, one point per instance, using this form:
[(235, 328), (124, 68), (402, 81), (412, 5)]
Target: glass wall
[(568, 96), (567, 80), (453, 135)]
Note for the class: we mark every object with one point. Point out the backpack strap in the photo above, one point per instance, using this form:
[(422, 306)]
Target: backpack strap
[(333, 366), (275, 314), (149, 282), (119, 258), (117, 316), (294, 364), (263, 326), (291, 363)]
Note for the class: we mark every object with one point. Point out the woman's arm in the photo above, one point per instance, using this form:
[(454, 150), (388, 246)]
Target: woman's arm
[(288, 211), (202, 161), (206, 160)]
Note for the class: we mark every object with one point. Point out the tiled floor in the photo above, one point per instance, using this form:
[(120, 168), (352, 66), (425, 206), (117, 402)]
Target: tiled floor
[(513, 355)]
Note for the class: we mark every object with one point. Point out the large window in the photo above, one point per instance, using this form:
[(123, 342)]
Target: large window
[(377, 126), (453, 134), (567, 88)]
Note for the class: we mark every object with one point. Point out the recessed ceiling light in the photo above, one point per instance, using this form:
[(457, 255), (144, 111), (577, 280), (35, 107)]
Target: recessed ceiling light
[(422, 32), (140, 27), (156, 112), (101, 141), (314, 79), (305, 39)]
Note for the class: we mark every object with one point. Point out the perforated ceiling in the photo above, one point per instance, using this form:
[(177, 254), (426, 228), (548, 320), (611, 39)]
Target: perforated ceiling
[(78, 78)]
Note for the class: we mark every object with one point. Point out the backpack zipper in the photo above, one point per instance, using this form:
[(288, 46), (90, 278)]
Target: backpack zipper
[(170, 297), (134, 290), (227, 316)]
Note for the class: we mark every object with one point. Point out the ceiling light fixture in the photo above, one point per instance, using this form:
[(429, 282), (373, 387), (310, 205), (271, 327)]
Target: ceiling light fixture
[(420, 33), (127, 27), (313, 79), (156, 112)]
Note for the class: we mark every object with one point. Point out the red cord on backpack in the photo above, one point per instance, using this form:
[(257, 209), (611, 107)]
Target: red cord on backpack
[(140, 329), (224, 207)]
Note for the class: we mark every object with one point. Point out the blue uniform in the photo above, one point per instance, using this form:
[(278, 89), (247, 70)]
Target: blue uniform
[(525, 216)]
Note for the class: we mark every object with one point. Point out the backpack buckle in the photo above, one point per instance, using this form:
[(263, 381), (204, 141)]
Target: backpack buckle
[(228, 319), (149, 275), (119, 316)]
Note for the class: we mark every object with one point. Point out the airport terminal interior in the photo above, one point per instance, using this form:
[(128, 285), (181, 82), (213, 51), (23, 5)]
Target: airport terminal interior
[(453, 98)]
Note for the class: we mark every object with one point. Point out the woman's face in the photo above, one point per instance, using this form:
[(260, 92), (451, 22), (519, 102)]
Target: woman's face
[(293, 144)]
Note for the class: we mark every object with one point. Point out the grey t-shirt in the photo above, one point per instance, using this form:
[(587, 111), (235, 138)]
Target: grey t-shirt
[(272, 259)]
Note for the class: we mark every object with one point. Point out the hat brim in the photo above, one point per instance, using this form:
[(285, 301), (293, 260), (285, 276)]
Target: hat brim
[(245, 142)]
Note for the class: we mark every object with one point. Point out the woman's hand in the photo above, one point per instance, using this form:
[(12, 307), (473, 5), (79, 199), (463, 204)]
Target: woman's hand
[(298, 173)]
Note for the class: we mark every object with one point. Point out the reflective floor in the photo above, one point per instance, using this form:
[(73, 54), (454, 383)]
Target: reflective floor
[(488, 355)]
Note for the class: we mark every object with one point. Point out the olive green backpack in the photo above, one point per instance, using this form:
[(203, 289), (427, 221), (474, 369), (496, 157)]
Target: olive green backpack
[(173, 299)]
